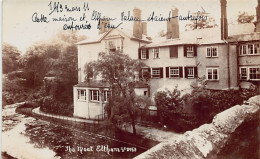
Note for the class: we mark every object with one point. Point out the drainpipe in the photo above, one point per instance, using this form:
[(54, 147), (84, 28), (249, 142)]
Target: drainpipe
[(228, 63)]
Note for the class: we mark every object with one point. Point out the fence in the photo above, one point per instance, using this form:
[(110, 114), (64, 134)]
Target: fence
[(147, 115)]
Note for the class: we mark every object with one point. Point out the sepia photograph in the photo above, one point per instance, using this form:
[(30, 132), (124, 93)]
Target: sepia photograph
[(142, 79)]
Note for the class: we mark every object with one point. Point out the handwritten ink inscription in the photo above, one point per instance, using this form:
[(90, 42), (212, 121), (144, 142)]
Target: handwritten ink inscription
[(61, 12)]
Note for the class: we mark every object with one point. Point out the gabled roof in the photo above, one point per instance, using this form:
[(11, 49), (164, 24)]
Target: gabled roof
[(204, 36), (127, 32)]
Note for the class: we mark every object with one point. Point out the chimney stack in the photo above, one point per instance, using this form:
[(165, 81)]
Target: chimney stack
[(257, 22), (137, 28), (173, 25), (223, 20), (102, 24), (144, 28)]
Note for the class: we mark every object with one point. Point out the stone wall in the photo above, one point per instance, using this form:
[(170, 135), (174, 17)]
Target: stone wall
[(207, 140)]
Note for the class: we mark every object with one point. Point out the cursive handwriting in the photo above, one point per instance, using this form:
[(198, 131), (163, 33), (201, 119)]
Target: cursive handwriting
[(41, 19), (153, 17)]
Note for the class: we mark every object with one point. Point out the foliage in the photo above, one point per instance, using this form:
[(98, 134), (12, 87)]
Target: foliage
[(204, 103), (243, 17), (57, 59), (204, 22), (50, 105), (13, 91), (208, 103), (120, 72), (10, 55)]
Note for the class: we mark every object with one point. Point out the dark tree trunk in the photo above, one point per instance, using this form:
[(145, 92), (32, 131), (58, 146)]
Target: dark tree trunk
[(133, 125)]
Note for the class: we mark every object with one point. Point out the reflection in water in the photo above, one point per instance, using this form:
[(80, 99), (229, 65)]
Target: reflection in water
[(67, 143), (29, 138)]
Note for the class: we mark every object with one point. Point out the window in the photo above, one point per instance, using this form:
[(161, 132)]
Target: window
[(249, 49), (143, 54), (243, 73), (156, 53), (157, 72), (212, 52), (106, 94), (212, 74), (190, 72), (82, 94), (174, 72), (113, 45), (190, 51), (249, 73), (254, 73), (94, 95), (243, 49)]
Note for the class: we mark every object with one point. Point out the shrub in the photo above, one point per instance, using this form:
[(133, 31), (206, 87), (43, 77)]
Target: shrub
[(50, 105), (205, 104)]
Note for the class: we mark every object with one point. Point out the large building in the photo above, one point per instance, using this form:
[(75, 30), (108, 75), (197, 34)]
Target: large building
[(227, 56)]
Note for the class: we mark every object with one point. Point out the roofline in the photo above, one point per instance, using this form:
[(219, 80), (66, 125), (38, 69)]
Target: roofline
[(184, 44), (98, 41)]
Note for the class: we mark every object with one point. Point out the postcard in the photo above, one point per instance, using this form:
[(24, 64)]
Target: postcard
[(130, 79)]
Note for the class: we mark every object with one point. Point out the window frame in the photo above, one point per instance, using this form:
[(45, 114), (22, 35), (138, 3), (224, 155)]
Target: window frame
[(212, 72), (257, 74), (159, 75), (143, 52), (91, 93), (188, 72), (174, 75), (211, 48), (249, 50), (156, 53), (106, 95), (240, 73), (79, 95), (190, 51)]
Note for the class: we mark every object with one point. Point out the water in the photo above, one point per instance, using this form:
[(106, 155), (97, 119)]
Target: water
[(29, 138)]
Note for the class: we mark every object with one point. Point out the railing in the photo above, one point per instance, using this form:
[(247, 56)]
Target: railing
[(61, 120)]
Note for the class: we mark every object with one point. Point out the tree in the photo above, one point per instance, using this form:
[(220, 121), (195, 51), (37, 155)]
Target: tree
[(120, 71), (10, 56), (243, 17), (203, 21), (167, 102)]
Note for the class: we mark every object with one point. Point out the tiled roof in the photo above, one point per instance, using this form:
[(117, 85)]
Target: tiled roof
[(204, 36)]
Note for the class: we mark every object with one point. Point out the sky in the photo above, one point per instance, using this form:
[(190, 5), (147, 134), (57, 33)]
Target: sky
[(20, 30)]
